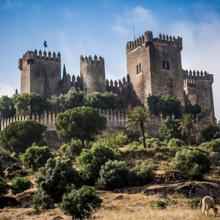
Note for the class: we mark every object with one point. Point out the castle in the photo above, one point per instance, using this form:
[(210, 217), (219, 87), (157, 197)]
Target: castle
[(154, 67)]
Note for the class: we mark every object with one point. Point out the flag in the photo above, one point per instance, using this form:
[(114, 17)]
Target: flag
[(45, 44)]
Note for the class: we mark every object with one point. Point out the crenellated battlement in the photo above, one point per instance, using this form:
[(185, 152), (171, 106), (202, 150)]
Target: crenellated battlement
[(147, 38), (117, 84), (89, 60), (192, 75), (30, 56)]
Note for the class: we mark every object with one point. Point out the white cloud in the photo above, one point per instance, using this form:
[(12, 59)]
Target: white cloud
[(6, 89), (136, 19)]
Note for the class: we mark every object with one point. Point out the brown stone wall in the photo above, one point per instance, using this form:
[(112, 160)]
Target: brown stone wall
[(93, 74)]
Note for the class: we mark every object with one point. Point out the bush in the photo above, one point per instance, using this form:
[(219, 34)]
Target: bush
[(90, 161), (170, 128), (3, 187), (213, 145), (36, 157), (71, 149), (20, 184), (141, 174), (191, 163), (175, 143), (80, 203), (56, 177), (81, 123), (42, 201), (153, 142), (158, 204), (210, 132), (194, 203), (20, 135), (113, 175)]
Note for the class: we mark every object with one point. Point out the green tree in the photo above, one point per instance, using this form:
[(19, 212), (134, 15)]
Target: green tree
[(170, 128), (28, 103), (7, 108), (186, 127), (104, 100), (192, 109), (82, 123), (19, 135), (136, 121)]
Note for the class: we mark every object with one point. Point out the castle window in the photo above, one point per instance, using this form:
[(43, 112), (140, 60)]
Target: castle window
[(138, 68), (166, 65)]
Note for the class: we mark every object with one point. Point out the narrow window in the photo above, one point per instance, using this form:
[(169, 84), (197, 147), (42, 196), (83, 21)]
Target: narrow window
[(164, 64), (138, 68), (168, 65)]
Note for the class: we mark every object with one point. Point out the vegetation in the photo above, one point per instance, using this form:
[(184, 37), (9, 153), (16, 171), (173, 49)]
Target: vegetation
[(170, 128), (81, 203), (167, 105), (20, 184), (71, 149), (210, 132), (113, 175), (211, 146), (194, 203), (191, 163), (192, 109), (36, 157), (20, 135), (90, 161), (7, 108), (186, 127), (175, 143), (136, 121), (81, 123), (158, 204), (105, 100), (3, 187), (56, 177), (42, 201)]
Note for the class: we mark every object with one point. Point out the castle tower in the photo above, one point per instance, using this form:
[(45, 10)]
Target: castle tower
[(92, 72), (198, 90), (154, 66), (40, 73)]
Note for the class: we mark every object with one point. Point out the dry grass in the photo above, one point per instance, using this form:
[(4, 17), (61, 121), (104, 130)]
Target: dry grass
[(129, 207)]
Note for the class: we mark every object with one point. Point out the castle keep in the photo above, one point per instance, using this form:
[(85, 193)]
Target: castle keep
[(154, 67)]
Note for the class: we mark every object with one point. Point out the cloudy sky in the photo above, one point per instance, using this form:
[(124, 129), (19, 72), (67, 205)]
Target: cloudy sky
[(103, 27)]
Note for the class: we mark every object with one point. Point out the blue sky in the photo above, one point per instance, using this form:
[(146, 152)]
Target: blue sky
[(102, 27)]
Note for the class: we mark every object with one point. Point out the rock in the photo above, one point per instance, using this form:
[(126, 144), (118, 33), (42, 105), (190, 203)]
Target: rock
[(215, 158), (170, 177), (119, 196), (57, 218), (25, 199)]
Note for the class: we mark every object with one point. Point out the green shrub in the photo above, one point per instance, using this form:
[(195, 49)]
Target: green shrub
[(153, 142), (194, 203), (3, 186), (113, 175), (81, 203), (141, 174), (158, 204), (42, 201), (20, 135), (175, 143), (213, 145), (210, 132), (191, 163), (90, 161), (71, 149), (20, 184), (120, 139), (56, 177), (36, 157), (82, 123)]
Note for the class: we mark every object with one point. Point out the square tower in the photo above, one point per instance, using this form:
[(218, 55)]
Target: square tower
[(40, 73), (154, 66)]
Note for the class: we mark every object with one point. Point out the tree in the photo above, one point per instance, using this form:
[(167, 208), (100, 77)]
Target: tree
[(7, 108), (82, 123), (186, 127), (28, 103), (19, 135), (170, 128), (192, 109), (104, 100), (137, 119)]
